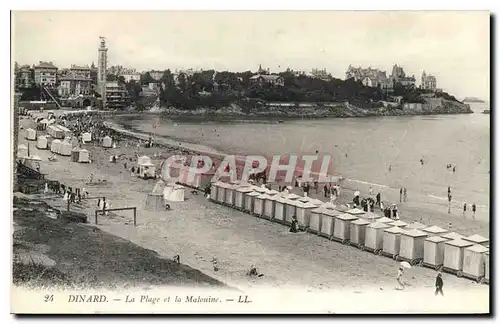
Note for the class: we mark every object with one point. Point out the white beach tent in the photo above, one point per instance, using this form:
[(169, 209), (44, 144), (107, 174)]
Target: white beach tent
[(342, 230), (167, 191), (65, 148), (239, 199), (55, 132), (303, 212), (22, 151), (177, 194), (55, 146), (42, 142), (358, 229), (249, 201), (327, 222), (434, 252), (475, 262), (269, 204), (412, 245), (315, 220), (84, 156), (279, 209), (258, 204), (454, 255), (86, 137), (374, 236), (392, 240), (107, 142), (31, 134)]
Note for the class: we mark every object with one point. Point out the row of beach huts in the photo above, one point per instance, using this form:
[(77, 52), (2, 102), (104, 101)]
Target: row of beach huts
[(419, 244)]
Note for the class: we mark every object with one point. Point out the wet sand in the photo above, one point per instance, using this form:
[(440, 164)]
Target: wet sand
[(199, 230)]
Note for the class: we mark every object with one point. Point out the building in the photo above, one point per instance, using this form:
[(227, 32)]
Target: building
[(398, 75), (115, 70), (320, 74), (129, 75), (102, 63), (157, 75), (73, 85), (80, 71), (367, 76), (428, 82), (45, 74), (261, 79), (116, 96), (24, 77)]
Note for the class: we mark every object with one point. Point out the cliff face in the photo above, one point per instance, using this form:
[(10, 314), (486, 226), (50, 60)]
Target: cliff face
[(432, 106)]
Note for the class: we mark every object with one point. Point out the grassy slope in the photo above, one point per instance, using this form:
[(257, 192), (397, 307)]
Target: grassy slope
[(86, 257)]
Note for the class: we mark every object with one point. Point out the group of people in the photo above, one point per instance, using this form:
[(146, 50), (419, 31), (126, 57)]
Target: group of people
[(73, 196), (473, 207)]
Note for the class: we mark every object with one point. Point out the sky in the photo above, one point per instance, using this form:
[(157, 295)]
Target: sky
[(453, 46)]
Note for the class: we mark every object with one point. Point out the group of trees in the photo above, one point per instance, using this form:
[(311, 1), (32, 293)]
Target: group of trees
[(218, 89)]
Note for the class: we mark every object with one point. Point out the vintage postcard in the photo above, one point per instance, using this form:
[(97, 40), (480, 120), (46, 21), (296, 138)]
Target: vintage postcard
[(221, 162)]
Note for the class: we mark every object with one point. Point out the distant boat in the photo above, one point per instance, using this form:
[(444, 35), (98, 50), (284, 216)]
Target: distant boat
[(486, 111), (473, 99)]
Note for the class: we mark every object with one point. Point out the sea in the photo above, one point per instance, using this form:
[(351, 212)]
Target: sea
[(362, 148)]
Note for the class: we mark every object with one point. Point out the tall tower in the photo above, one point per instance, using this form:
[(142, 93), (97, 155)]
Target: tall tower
[(102, 63)]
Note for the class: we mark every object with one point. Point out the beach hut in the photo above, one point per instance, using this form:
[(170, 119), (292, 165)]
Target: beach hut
[(392, 240), (31, 134), (475, 262), (42, 142), (269, 206), (341, 229), (177, 193), (221, 192), (167, 190), (398, 223), (327, 222), (315, 220), (434, 252), (214, 188), (358, 228), (454, 256), (258, 204), (477, 239), (434, 230), (416, 225), (249, 201), (84, 156), (75, 154), (369, 216), (55, 132), (239, 196), (280, 209), (107, 142), (453, 236), (55, 145), (374, 237), (412, 246), (303, 213), (86, 137), (384, 220), (22, 151), (487, 267), (147, 170), (230, 194), (65, 148), (290, 210)]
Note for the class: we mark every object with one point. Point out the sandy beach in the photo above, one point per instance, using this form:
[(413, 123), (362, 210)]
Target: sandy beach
[(199, 230)]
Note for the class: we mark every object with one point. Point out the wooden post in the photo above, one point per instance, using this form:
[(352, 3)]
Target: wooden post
[(135, 216), (96, 217)]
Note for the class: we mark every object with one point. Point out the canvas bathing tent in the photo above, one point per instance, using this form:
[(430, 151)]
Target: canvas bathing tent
[(327, 221), (412, 246), (42, 142), (75, 154), (249, 201), (230, 194), (84, 156), (55, 146), (31, 134), (258, 204), (65, 148), (374, 236), (269, 207), (22, 151), (392, 241), (475, 262), (86, 137), (279, 209), (315, 220), (107, 142), (341, 230), (304, 214), (357, 235), (55, 132), (239, 199), (177, 193), (454, 256), (434, 252)]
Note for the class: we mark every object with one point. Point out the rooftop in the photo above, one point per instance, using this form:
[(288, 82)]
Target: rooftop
[(48, 65)]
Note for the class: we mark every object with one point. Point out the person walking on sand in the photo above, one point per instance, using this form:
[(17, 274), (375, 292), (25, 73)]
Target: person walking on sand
[(401, 195), (370, 190), (377, 197), (399, 279), (325, 190), (390, 167), (474, 210), (404, 194), (439, 284), (465, 209), (449, 203)]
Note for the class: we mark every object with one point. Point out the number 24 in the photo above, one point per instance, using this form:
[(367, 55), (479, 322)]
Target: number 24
[(49, 298)]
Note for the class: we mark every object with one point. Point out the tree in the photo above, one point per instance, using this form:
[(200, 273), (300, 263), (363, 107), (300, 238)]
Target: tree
[(121, 80), (146, 78), (111, 77), (134, 90)]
